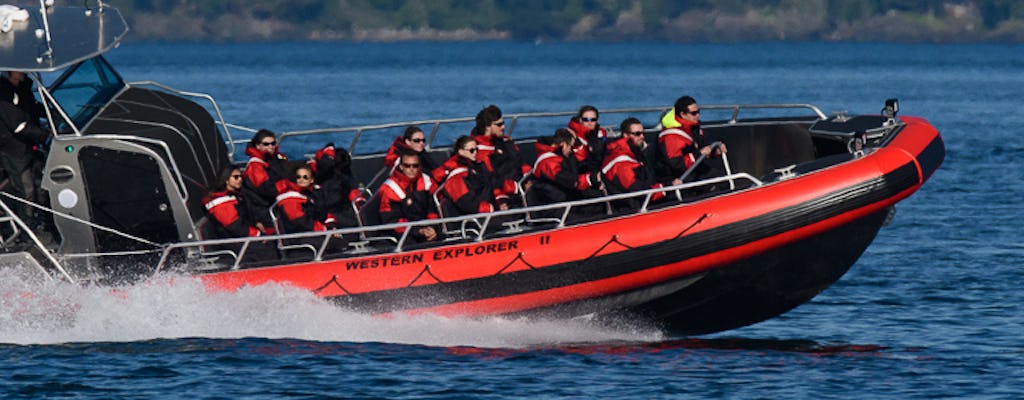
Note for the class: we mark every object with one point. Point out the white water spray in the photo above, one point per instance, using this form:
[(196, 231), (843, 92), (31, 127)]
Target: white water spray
[(181, 307)]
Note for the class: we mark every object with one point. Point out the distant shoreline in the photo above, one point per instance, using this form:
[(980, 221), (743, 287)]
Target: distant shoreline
[(890, 28)]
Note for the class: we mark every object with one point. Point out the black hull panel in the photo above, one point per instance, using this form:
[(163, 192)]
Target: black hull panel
[(766, 285)]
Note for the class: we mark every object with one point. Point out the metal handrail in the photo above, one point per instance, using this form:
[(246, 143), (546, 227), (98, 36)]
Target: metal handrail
[(435, 124), (487, 218), (216, 108)]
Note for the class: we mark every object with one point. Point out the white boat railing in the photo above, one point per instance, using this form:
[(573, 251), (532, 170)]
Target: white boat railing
[(482, 225), (432, 127)]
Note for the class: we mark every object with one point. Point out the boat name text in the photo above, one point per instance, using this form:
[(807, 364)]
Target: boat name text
[(446, 254)]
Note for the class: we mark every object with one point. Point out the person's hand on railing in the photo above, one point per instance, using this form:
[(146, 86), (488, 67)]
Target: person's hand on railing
[(428, 233)]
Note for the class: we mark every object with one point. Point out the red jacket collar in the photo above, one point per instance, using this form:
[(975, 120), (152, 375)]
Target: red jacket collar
[(687, 125)]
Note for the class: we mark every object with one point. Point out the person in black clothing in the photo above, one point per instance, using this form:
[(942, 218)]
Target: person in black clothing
[(20, 134), (338, 189)]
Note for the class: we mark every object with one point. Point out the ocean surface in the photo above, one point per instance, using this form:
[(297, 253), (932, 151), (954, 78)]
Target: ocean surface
[(933, 309)]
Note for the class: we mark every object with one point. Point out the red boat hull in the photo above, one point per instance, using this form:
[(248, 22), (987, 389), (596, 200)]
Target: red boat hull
[(747, 255)]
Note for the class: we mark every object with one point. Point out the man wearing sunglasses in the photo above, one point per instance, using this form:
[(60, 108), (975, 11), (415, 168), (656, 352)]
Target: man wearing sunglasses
[(266, 166), (681, 142), (406, 196), (497, 151), (625, 166)]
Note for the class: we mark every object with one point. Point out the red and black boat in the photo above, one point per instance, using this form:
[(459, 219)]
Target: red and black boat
[(801, 196)]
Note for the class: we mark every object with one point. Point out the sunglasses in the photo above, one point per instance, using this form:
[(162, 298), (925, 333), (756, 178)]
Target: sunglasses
[(404, 165), (236, 177), (694, 112), (471, 149), (306, 177), (636, 133), (417, 140), (268, 143), (502, 123), (588, 119)]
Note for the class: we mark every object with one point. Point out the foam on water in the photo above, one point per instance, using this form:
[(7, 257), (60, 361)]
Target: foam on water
[(181, 307)]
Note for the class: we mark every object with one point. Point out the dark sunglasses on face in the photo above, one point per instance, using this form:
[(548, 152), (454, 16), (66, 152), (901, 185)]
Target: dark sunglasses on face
[(306, 177), (404, 165), (236, 177), (636, 133), (588, 119), (694, 112), (417, 140), (268, 143), (471, 149), (502, 123)]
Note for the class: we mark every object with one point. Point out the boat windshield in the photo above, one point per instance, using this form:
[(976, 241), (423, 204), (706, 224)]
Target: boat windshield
[(84, 89)]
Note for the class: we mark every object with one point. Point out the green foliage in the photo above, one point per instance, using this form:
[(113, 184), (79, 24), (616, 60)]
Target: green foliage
[(543, 18)]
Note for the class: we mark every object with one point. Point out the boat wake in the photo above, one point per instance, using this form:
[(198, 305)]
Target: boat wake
[(176, 306)]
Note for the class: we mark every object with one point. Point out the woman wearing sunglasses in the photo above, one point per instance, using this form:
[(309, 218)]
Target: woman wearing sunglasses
[(413, 140), (230, 215), (467, 183), (590, 138), (301, 209)]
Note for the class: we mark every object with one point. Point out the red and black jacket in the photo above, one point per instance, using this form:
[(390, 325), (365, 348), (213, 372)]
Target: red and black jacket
[(262, 172), (503, 160), (405, 199), (624, 171), (300, 212), (468, 184), (678, 149), (229, 215), (558, 178), (591, 149)]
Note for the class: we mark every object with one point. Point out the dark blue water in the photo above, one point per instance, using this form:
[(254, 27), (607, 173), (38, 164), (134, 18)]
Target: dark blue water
[(932, 310)]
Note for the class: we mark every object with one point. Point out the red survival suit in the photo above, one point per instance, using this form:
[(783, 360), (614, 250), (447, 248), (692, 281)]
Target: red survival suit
[(591, 149), (624, 172), (468, 184), (405, 199), (261, 174), (503, 161)]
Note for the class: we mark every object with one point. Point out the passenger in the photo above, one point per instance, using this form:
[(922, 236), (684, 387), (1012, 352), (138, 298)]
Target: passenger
[(20, 134), (556, 173), (498, 152), (266, 166), (231, 216), (625, 168), (406, 196), (333, 170), (590, 138), (302, 212), (682, 141), (412, 140), (466, 180)]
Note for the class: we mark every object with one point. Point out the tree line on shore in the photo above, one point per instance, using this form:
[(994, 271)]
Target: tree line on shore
[(575, 20)]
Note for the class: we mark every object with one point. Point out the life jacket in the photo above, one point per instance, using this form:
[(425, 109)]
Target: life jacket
[(229, 216), (405, 199), (301, 212)]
